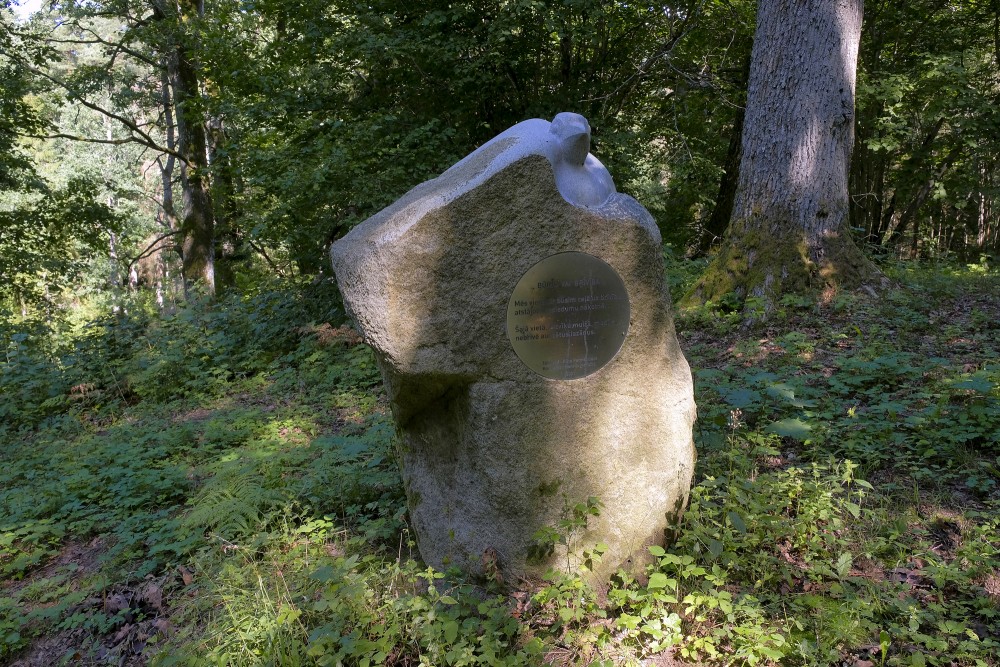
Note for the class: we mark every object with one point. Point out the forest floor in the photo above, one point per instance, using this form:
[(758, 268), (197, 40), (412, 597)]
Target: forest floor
[(218, 488)]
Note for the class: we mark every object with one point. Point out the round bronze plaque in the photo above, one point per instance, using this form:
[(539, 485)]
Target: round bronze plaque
[(568, 316)]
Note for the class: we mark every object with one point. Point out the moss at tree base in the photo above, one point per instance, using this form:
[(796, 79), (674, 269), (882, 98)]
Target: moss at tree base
[(756, 262)]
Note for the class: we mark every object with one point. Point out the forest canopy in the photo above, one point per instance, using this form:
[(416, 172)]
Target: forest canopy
[(198, 460), (150, 142)]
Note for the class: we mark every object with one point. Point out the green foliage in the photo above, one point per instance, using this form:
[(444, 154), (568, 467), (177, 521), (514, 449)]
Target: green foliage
[(893, 401), (54, 230), (384, 97), (16, 113), (174, 477), (767, 569), (802, 560), (926, 117), (456, 626), (194, 352), (681, 271), (49, 240), (566, 533), (235, 456)]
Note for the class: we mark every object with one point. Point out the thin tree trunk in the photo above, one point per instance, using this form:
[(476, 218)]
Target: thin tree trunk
[(166, 162), (197, 221), (718, 222), (869, 209), (885, 222), (867, 180), (909, 214), (981, 225), (228, 243), (996, 33)]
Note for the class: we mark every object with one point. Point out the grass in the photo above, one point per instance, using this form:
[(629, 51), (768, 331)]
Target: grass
[(218, 488)]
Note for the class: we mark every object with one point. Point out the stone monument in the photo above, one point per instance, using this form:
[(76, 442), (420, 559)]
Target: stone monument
[(519, 314)]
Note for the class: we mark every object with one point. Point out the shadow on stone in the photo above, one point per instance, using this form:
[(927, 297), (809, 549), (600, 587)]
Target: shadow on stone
[(491, 451)]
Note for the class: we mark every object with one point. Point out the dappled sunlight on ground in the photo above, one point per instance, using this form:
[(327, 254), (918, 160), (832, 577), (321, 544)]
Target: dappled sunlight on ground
[(268, 519)]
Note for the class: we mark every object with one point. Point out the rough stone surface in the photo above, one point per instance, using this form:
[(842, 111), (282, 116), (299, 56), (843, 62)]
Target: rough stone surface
[(491, 451)]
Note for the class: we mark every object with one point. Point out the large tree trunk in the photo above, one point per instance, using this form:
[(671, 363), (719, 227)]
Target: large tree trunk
[(789, 231)]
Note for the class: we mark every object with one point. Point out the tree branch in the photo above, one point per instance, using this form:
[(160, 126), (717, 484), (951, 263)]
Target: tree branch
[(267, 259), (89, 140), (141, 136), (118, 46), (150, 249)]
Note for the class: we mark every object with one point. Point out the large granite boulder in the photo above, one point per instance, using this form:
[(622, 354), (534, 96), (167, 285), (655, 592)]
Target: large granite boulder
[(519, 314)]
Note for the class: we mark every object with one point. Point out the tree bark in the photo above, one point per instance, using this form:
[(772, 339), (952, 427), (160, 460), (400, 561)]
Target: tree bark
[(166, 162), (197, 221), (229, 251), (789, 231)]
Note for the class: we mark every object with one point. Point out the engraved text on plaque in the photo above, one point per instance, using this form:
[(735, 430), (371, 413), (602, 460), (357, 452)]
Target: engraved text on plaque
[(568, 315)]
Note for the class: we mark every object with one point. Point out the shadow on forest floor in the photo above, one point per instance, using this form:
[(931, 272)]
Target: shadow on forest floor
[(845, 511)]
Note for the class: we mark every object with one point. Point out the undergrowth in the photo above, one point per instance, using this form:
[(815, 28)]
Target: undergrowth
[(217, 486)]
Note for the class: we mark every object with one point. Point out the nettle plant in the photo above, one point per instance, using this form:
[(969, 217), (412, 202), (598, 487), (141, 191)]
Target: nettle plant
[(246, 445), (743, 540)]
